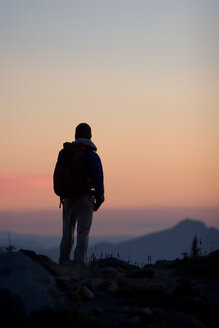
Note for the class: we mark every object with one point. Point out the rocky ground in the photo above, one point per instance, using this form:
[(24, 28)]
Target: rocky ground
[(37, 292)]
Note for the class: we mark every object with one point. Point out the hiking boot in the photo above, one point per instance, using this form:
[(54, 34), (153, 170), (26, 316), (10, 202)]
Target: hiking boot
[(66, 262)]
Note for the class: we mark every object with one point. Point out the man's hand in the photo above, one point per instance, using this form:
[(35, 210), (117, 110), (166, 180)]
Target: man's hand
[(97, 203)]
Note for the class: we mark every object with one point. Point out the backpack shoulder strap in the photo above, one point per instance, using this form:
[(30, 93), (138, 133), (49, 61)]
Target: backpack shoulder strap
[(79, 154)]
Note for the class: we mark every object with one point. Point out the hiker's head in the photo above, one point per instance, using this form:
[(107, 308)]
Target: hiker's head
[(83, 130)]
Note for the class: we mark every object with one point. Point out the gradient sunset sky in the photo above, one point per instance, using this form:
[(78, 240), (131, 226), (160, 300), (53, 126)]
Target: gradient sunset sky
[(143, 74)]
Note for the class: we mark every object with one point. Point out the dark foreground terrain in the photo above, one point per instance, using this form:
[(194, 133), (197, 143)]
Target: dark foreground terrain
[(37, 292)]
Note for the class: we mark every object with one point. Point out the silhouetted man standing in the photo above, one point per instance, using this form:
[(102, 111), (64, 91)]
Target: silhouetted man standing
[(80, 208)]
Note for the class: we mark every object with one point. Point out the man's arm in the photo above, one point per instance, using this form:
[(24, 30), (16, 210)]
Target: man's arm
[(98, 180)]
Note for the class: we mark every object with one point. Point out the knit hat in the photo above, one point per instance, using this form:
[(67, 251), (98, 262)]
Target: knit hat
[(83, 130)]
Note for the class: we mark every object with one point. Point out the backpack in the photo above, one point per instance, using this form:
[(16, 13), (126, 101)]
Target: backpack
[(70, 178)]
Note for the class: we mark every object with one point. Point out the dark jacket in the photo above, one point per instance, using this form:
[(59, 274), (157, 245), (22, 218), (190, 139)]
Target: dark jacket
[(95, 169)]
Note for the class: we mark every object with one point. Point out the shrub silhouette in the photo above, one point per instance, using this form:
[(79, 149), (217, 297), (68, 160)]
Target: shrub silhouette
[(195, 250)]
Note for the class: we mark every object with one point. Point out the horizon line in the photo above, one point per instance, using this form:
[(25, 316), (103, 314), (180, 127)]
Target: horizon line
[(117, 208)]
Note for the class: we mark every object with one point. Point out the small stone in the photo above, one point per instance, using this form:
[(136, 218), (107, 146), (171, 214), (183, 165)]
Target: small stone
[(112, 288), (143, 273), (147, 311), (196, 323), (87, 293), (127, 309), (103, 285), (134, 320), (97, 311), (109, 270)]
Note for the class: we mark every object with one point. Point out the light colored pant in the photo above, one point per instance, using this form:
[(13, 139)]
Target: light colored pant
[(78, 210)]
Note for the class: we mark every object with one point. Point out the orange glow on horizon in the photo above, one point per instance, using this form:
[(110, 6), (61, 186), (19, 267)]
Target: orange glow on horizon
[(31, 192)]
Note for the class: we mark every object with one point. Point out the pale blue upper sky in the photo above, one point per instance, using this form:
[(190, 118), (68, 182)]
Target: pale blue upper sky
[(114, 33)]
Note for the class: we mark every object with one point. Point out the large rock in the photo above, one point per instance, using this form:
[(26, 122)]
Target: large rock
[(28, 280)]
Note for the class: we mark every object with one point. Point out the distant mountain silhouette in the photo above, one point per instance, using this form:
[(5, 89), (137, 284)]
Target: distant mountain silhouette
[(164, 245), (48, 245), (28, 241)]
